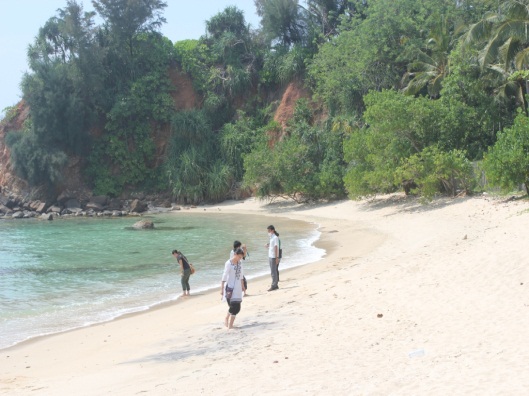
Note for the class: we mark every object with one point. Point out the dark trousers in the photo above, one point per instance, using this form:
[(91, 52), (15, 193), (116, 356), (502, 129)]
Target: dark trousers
[(185, 279)]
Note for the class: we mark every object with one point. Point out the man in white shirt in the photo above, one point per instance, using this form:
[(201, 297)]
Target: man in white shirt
[(273, 256)]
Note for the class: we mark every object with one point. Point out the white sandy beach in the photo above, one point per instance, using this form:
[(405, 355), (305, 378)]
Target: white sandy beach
[(409, 300)]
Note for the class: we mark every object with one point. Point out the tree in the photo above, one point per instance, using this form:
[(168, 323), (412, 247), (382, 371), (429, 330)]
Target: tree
[(433, 171), (34, 162), (432, 65), (124, 21), (231, 20), (506, 163), (371, 53), (226, 61), (473, 87), (282, 171), (398, 127), (324, 15), (306, 164), (504, 43), (63, 90), (281, 21), (194, 163), (128, 18), (237, 139), (230, 42)]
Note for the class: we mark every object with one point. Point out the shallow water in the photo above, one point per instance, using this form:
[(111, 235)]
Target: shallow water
[(68, 273)]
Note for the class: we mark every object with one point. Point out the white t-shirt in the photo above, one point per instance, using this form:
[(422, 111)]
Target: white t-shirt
[(274, 241), (232, 276)]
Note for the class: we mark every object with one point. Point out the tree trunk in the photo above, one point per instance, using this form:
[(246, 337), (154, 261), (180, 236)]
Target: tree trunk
[(524, 99)]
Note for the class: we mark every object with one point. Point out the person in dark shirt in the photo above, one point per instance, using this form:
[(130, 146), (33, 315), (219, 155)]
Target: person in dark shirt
[(185, 269)]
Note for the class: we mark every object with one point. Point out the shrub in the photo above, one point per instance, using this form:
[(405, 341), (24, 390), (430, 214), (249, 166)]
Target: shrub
[(34, 161), (435, 171), (506, 164)]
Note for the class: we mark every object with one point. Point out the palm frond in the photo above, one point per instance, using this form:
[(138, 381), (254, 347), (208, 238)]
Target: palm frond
[(498, 71), (489, 54), (423, 58), (435, 85), (481, 30), (521, 60), (418, 82), (515, 28), (516, 8), (508, 51)]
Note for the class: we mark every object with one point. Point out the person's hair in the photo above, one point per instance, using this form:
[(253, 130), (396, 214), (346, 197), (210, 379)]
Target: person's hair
[(272, 228), (236, 244), (239, 252), (175, 251)]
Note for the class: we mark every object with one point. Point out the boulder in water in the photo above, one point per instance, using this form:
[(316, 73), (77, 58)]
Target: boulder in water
[(143, 225)]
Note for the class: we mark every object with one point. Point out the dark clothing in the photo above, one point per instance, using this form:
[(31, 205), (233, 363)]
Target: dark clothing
[(184, 261), (185, 278), (235, 307)]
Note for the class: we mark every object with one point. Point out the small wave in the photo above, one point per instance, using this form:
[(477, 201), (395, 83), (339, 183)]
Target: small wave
[(163, 228)]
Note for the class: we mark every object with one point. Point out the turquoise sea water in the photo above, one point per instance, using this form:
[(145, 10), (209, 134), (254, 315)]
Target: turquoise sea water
[(69, 273)]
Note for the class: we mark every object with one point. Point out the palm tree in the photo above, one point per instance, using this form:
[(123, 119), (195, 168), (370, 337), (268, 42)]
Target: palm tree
[(504, 39), (325, 14), (432, 65)]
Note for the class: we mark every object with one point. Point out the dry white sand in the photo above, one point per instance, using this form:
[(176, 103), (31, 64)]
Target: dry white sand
[(409, 300)]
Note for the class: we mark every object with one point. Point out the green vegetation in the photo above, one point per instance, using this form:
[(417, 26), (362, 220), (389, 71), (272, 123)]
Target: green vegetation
[(305, 164), (405, 94), (507, 162)]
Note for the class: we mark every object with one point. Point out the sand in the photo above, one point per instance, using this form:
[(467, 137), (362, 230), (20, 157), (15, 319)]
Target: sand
[(410, 299)]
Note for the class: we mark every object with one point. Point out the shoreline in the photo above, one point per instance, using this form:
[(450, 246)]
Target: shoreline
[(157, 306), (409, 299), (170, 300)]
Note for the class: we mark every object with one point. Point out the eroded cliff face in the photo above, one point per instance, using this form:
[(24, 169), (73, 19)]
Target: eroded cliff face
[(184, 98), (287, 99), (292, 93), (184, 95), (13, 121), (11, 183)]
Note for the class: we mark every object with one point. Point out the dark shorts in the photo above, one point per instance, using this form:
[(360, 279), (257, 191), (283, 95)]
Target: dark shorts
[(235, 307)]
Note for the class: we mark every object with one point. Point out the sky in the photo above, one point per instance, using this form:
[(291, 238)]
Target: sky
[(20, 21)]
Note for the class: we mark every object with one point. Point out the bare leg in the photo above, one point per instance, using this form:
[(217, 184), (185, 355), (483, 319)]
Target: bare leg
[(226, 320), (232, 319)]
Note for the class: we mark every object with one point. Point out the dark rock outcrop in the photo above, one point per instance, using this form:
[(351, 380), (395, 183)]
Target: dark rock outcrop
[(115, 204), (101, 200), (138, 206), (72, 203), (96, 207)]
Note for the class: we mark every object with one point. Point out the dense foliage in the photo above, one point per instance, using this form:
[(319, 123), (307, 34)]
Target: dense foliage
[(305, 165), (507, 162), (405, 93)]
